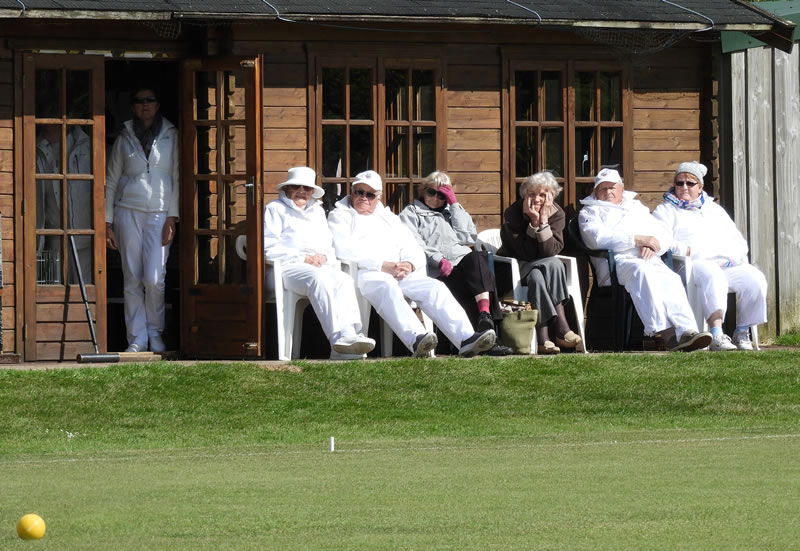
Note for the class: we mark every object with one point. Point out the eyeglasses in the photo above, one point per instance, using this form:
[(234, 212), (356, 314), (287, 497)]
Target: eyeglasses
[(361, 193), (294, 187), (430, 192), (144, 99), (686, 183)]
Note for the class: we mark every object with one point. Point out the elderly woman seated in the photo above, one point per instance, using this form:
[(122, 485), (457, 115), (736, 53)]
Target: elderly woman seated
[(705, 232), (392, 267), (613, 219), (296, 234), (533, 232), (446, 232)]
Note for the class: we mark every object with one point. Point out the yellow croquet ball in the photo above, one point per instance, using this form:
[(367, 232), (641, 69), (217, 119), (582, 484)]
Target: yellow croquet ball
[(31, 527)]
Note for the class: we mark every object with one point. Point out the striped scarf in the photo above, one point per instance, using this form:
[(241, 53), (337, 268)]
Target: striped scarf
[(670, 197)]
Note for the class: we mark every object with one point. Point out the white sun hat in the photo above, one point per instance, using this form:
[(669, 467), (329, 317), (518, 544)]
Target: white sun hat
[(303, 176)]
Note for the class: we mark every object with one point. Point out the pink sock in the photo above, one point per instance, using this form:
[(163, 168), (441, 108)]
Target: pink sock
[(483, 305)]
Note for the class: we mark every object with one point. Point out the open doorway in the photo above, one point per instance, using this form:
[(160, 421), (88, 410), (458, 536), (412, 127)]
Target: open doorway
[(121, 78)]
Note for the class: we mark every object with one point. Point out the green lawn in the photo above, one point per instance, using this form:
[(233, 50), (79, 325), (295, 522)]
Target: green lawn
[(690, 451)]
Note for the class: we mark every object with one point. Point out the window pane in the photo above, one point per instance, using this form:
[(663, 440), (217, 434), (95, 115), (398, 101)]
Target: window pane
[(526, 93), (360, 149), (332, 93), (610, 97), (206, 204), (583, 189), (206, 88), (48, 93), (399, 196), (584, 96), (48, 260), (611, 146), (424, 97), (361, 94), (79, 205), (235, 161), (396, 94), (396, 151), (83, 248), (424, 151), (584, 163), (333, 151), (551, 82), (526, 151), (233, 82), (207, 254), (79, 104), (206, 150), (553, 151), (79, 150)]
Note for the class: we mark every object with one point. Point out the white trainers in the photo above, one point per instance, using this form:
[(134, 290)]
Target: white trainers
[(742, 339), (157, 344), (355, 344), (346, 357), (721, 342), (136, 348)]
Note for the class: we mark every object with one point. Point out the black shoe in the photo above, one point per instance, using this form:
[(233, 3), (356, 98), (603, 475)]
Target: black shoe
[(485, 322), (424, 344), (477, 343), (499, 349)]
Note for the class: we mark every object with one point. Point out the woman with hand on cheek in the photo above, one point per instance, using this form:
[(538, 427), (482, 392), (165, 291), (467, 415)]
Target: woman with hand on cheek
[(533, 233)]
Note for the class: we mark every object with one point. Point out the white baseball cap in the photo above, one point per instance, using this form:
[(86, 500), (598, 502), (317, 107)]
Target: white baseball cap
[(371, 178), (607, 175)]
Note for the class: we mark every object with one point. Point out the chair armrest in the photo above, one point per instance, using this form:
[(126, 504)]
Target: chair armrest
[(571, 267), (516, 284)]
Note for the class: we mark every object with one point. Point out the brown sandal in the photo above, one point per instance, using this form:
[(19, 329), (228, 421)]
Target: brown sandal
[(548, 348)]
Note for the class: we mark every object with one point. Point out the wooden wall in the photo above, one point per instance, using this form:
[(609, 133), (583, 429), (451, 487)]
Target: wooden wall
[(7, 198), (762, 123)]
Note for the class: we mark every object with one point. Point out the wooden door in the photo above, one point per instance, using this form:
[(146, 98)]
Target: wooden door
[(63, 207), (221, 294)]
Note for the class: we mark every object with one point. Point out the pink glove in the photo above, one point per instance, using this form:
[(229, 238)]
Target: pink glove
[(445, 268), (449, 194)]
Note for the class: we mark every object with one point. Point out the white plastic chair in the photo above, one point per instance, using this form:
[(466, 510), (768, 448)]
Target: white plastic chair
[(693, 294), (489, 240), (288, 310), (365, 309)]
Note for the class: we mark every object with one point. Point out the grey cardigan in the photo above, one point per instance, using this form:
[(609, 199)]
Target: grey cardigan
[(446, 234)]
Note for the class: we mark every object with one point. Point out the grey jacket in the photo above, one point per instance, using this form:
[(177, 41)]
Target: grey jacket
[(447, 234)]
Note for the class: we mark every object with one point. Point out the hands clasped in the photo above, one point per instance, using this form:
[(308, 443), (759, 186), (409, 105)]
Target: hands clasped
[(398, 270), (649, 246)]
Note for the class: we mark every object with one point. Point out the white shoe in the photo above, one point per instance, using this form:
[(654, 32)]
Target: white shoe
[(742, 339), (344, 357), (721, 342), (356, 344), (157, 344), (136, 348)]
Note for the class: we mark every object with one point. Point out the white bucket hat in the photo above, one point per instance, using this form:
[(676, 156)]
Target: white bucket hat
[(303, 176), (607, 175), (371, 178)]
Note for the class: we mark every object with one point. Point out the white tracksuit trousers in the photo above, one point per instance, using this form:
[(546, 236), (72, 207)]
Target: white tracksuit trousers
[(332, 295), (747, 281), (658, 295), (144, 265), (387, 296)]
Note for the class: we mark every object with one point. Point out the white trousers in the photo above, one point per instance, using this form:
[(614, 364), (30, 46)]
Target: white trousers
[(332, 295), (658, 295), (144, 265), (388, 296), (714, 283)]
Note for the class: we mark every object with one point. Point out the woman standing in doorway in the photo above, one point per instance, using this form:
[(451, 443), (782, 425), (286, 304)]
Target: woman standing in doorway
[(141, 212)]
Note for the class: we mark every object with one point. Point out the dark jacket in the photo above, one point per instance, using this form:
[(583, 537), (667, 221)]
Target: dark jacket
[(526, 244)]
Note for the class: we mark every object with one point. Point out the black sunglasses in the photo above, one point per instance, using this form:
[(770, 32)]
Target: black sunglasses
[(686, 183), (430, 192), (144, 99), (361, 193)]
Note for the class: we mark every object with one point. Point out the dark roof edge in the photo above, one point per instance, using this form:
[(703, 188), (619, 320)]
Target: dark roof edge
[(781, 33)]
